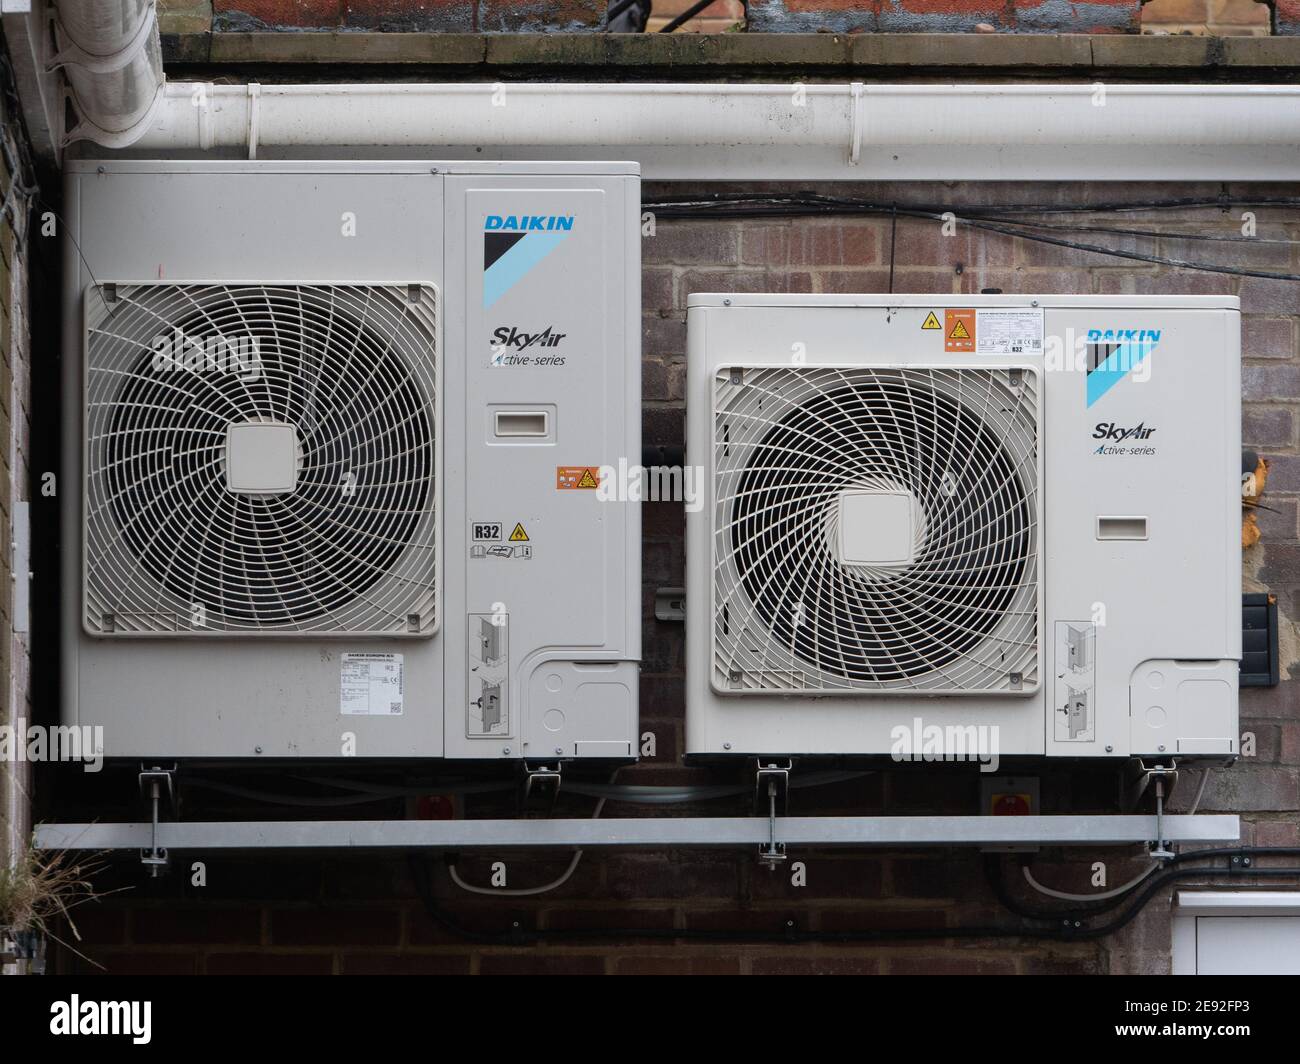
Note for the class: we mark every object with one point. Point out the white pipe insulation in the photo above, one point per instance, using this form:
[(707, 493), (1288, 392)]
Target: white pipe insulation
[(760, 132)]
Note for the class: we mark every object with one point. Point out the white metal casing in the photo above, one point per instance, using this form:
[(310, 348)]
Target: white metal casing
[(1156, 585), (572, 638)]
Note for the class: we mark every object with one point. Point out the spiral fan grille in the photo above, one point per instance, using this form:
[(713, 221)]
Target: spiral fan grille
[(954, 454), (260, 458)]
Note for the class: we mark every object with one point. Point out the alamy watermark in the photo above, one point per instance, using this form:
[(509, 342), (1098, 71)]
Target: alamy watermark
[(948, 742), (21, 741)]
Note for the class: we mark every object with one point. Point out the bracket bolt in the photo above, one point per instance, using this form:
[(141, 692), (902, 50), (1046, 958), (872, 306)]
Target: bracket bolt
[(1109, 749), (726, 746), (257, 749), (505, 749)]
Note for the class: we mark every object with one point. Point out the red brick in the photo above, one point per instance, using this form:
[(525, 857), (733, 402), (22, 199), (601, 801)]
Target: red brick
[(1283, 475), (1267, 426), (656, 290), (1263, 296), (1270, 383), (853, 282), (678, 965), (541, 964), (1267, 337), (675, 875), (688, 243), (97, 924), (663, 336), (143, 962), (277, 14), (208, 924), (801, 243), (1281, 521), (745, 281), (788, 964), (270, 964), (413, 16), (334, 927), (510, 16), (1286, 15), (827, 877), (1165, 282), (406, 964), (952, 962)]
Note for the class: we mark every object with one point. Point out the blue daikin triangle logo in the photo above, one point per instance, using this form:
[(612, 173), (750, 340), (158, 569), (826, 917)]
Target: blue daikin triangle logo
[(1115, 353), (513, 244)]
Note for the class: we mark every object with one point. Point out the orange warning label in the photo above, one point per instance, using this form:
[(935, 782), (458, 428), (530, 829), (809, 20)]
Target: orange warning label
[(572, 478), (959, 330)]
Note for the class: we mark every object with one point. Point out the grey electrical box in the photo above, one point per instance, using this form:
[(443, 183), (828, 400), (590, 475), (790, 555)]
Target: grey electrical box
[(340, 455)]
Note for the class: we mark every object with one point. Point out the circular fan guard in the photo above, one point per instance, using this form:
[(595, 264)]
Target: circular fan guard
[(796, 450), (351, 547)]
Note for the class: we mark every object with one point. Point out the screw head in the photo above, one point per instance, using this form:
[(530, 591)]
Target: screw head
[(726, 746), (257, 749), (726, 302), (505, 749), (559, 749), (1109, 749), (1162, 749)]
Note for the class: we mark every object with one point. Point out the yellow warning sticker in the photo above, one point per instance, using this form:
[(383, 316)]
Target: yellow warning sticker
[(519, 535), (572, 478), (931, 322), (959, 330)]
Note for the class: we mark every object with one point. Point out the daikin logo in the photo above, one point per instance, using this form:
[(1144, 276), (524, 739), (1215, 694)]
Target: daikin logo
[(1113, 354), (514, 243), (528, 223)]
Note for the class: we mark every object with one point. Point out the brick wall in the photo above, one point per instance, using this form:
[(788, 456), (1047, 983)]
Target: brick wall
[(1220, 18), (1216, 17), (363, 914), (15, 363)]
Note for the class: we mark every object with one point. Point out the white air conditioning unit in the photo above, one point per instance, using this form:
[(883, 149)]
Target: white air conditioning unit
[(332, 430), (924, 516)]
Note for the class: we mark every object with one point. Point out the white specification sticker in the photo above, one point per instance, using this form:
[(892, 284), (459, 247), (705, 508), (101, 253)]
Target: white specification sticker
[(370, 685), (1009, 332)]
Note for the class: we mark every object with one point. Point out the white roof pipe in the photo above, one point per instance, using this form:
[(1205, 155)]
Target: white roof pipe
[(111, 54), (756, 132)]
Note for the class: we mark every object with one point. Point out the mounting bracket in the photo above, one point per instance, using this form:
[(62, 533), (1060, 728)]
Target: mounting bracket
[(152, 781)]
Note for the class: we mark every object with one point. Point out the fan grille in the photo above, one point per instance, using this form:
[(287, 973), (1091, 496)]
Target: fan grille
[(955, 447), (260, 458)]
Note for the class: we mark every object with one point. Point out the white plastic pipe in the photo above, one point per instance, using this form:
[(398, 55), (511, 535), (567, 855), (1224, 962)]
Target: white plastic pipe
[(111, 55), (731, 132)]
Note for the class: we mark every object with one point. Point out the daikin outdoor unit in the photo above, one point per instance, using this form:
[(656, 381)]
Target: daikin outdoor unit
[(926, 515), (333, 440)]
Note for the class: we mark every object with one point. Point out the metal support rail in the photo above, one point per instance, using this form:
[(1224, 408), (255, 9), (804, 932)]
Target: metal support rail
[(865, 831)]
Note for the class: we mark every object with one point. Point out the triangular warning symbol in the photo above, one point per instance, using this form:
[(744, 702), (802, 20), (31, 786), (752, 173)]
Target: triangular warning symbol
[(519, 535), (587, 481), (931, 322), (959, 331)]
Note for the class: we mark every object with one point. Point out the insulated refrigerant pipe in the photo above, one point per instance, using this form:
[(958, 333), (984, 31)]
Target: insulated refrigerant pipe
[(759, 132)]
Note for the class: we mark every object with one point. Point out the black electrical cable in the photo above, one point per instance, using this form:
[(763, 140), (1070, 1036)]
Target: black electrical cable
[(723, 206), (997, 882), (1063, 924), (1221, 203)]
